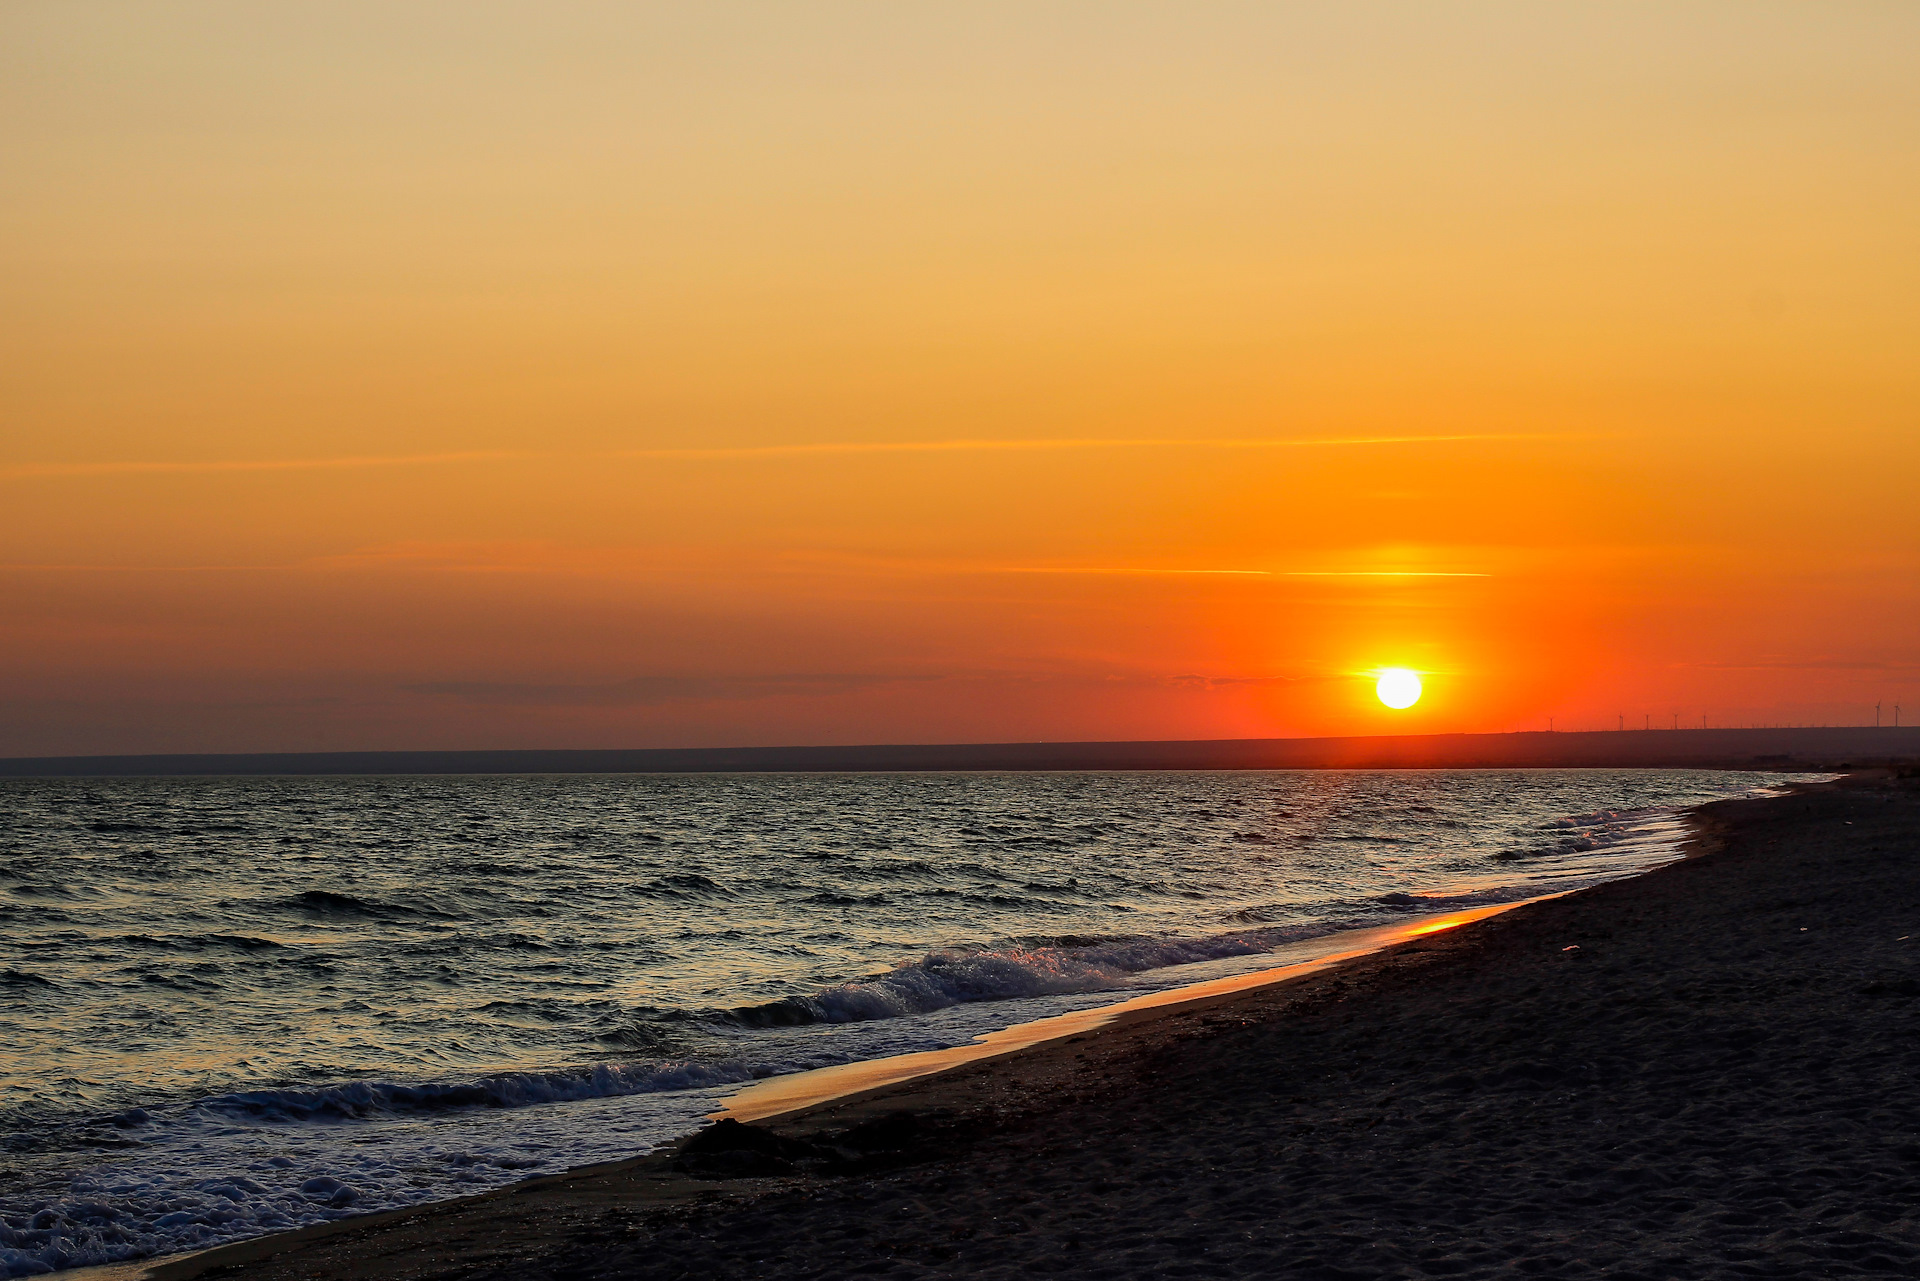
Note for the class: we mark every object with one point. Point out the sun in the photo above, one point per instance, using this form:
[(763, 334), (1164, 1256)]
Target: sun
[(1398, 688)]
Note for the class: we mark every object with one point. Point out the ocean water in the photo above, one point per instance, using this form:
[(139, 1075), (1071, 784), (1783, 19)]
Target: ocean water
[(232, 1006)]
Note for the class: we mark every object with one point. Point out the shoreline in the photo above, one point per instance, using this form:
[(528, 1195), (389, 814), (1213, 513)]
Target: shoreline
[(798, 1097), (990, 1084), (783, 1098)]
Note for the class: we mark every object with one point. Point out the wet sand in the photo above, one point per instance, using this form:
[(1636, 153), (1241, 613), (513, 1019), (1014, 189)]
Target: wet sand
[(1712, 1070)]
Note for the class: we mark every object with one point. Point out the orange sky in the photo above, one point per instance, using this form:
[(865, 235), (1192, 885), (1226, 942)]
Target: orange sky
[(476, 374)]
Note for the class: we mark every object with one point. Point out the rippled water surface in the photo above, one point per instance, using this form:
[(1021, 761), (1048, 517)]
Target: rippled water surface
[(234, 1005)]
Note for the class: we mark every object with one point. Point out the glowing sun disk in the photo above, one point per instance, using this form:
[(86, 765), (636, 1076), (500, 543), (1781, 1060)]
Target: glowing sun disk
[(1398, 688)]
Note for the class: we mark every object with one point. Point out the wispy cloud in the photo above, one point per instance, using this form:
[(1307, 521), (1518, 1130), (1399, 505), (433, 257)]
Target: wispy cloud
[(1813, 665), (1011, 446), (1122, 570), (1251, 573), (133, 569), (1192, 681), (548, 558), (652, 691), (1379, 573), (22, 471), (25, 471)]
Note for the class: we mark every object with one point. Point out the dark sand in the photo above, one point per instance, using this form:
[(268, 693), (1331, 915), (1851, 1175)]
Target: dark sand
[(1723, 1080)]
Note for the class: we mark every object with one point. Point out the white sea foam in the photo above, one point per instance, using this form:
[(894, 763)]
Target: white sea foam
[(205, 1178), (363, 1100)]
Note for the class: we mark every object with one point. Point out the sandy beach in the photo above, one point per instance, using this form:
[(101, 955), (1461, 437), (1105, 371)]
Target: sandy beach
[(1706, 1071)]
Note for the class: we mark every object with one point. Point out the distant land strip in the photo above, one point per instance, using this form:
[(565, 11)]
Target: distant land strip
[(1761, 749)]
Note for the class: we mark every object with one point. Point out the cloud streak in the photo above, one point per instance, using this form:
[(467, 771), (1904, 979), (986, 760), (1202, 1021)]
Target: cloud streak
[(1815, 665), (733, 453), (657, 690), (1030, 446), (653, 691), (22, 471), (1249, 573)]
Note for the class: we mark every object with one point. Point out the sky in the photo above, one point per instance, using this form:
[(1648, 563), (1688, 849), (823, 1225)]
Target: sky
[(482, 374)]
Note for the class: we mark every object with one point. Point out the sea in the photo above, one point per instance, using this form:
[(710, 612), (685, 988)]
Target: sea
[(231, 1006)]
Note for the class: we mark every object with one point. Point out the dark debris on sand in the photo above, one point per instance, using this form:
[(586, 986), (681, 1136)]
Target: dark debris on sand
[(1712, 1071)]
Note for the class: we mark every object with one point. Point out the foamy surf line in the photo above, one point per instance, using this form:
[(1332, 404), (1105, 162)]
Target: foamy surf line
[(800, 1091), (1627, 842), (783, 1095)]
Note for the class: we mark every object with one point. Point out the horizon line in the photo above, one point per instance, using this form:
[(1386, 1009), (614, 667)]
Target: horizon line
[(933, 746)]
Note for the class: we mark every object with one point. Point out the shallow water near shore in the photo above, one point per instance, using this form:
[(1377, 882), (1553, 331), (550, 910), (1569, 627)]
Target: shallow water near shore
[(240, 1005)]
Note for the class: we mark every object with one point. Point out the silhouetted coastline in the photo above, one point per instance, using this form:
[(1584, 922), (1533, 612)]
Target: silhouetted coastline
[(1784, 749)]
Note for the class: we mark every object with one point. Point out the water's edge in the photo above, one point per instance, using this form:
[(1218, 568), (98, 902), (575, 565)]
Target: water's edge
[(783, 1096), (793, 1093)]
